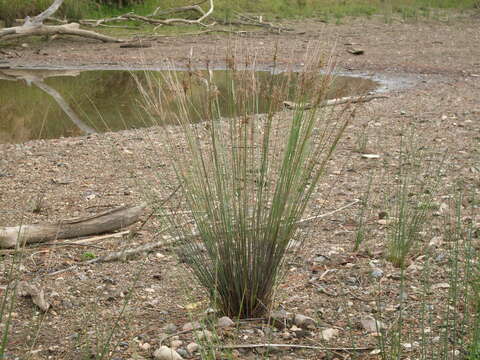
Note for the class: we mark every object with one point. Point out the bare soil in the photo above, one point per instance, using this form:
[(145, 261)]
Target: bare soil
[(327, 280)]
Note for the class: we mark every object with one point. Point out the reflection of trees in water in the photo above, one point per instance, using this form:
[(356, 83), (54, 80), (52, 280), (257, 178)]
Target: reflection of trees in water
[(18, 129), (109, 100), (21, 128)]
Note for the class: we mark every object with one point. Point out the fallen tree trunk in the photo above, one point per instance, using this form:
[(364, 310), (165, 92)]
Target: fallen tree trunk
[(11, 237), (41, 29)]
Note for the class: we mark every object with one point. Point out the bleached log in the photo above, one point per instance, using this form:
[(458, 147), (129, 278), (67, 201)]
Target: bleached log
[(332, 102), (108, 221), (39, 30)]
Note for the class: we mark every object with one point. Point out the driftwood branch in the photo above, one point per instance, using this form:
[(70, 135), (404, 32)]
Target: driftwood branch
[(17, 236), (35, 27), (159, 12), (38, 20), (39, 30), (151, 19), (244, 20), (332, 102)]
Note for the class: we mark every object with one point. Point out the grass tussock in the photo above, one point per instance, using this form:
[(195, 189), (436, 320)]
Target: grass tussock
[(247, 178)]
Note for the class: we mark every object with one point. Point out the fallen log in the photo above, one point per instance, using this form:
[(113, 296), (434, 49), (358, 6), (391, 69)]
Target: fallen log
[(40, 29), (107, 221), (332, 102)]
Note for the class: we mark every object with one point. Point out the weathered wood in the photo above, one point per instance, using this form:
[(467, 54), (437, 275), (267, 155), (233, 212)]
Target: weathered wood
[(150, 19), (40, 29), (52, 9), (11, 237), (332, 102)]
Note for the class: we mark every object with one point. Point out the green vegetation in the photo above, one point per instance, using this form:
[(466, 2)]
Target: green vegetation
[(315, 8), (449, 320), (411, 204), (19, 9), (249, 187), (225, 9), (88, 256)]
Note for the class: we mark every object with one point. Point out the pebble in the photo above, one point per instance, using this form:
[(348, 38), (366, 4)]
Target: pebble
[(377, 273), (145, 346), (193, 347), (371, 325), (281, 319), (203, 335), (224, 322), (183, 353), (328, 334), (165, 353), (304, 322), (191, 326), (170, 328), (175, 344)]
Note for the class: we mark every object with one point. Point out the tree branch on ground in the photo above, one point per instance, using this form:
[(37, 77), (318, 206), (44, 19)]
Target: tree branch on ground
[(107, 221), (35, 27), (244, 20), (153, 18)]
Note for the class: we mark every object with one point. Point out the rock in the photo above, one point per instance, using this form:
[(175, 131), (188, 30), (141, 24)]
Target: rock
[(328, 334), (165, 353), (210, 313), (203, 335), (370, 156), (170, 328), (304, 322), (371, 325), (35, 292), (281, 319), (299, 332), (191, 326), (355, 51), (224, 322), (144, 346), (436, 241), (377, 273), (193, 347), (183, 353), (175, 344)]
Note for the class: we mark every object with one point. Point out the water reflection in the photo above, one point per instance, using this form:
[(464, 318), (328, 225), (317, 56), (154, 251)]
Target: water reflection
[(38, 104)]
